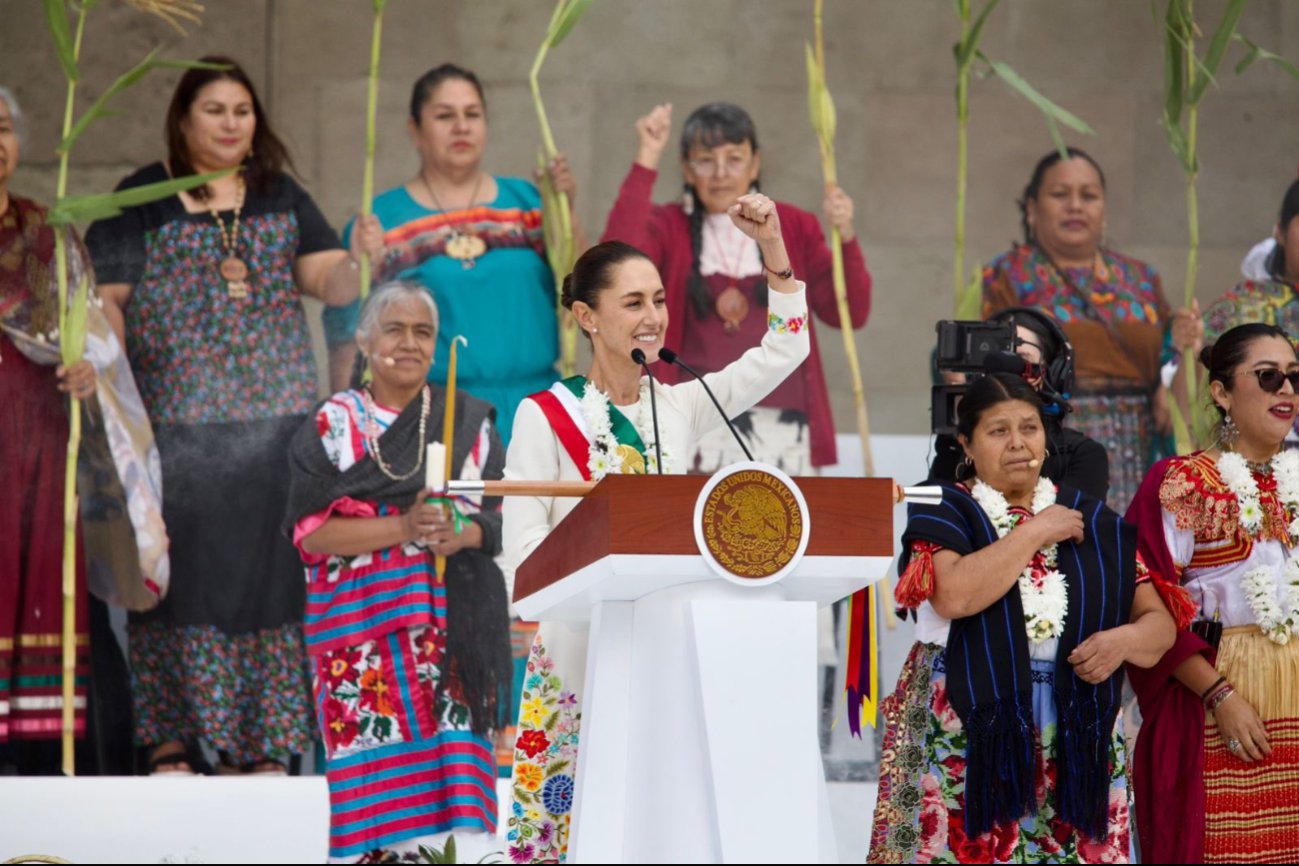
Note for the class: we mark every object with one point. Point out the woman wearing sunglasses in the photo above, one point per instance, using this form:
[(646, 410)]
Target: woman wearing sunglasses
[(1217, 761)]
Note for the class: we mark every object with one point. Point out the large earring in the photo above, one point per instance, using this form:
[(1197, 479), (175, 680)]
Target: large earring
[(965, 468), (688, 200), (1228, 433)]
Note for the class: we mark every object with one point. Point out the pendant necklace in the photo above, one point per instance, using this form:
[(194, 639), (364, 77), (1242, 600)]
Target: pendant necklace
[(233, 269), (732, 305), (462, 246)]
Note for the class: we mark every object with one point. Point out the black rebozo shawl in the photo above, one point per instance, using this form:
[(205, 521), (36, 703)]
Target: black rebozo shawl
[(989, 681), (478, 639)]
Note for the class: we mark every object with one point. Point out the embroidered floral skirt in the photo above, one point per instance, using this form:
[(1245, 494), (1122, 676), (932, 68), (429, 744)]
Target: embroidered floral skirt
[(402, 763), (247, 695), (545, 751), (920, 818), (1252, 809)]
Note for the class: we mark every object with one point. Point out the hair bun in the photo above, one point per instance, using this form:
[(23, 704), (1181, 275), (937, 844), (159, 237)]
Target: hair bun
[(566, 293), (1206, 357)]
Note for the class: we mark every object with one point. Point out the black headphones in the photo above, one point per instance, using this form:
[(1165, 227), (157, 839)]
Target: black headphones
[(1057, 384)]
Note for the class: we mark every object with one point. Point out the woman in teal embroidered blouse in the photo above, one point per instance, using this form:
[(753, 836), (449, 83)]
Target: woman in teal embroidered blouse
[(475, 241)]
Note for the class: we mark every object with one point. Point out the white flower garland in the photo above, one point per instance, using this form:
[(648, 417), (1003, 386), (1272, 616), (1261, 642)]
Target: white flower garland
[(603, 458), (1261, 592), (1260, 584), (1045, 604)]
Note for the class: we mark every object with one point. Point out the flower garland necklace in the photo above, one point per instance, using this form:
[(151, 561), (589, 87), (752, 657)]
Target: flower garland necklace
[(1260, 583), (1041, 586), (607, 455)]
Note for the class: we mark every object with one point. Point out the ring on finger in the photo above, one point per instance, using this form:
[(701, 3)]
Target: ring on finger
[(1233, 745)]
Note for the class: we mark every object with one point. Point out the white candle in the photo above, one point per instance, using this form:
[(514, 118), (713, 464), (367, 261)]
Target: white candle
[(435, 461)]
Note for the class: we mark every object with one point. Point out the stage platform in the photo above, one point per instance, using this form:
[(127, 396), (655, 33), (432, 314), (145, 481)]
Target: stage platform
[(136, 819)]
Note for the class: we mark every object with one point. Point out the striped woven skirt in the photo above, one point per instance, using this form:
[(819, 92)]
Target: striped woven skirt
[(1252, 809)]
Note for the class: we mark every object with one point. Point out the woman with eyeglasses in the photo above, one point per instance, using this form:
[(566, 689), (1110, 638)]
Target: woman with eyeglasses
[(716, 279), (1217, 759)]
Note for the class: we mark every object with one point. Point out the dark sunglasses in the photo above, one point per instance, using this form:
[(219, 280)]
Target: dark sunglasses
[(1270, 379)]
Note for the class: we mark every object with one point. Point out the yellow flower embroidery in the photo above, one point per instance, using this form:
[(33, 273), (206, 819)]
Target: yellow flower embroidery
[(535, 712), (529, 776)]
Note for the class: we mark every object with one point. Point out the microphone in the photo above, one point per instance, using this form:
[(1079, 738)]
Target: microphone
[(388, 361), (671, 357), (639, 357), (1034, 463)]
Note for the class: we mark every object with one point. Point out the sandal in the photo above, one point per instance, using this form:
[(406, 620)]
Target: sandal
[(170, 761)]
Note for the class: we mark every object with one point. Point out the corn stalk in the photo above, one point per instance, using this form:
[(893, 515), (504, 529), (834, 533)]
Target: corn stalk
[(824, 120), (73, 313), (557, 219), (367, 181), (1187, 77), (969, 59)]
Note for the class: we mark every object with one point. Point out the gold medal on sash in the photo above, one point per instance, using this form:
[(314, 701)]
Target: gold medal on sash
[(633, 462)]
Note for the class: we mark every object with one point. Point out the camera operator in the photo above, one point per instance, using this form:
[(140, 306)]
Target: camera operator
[(1073, 459)]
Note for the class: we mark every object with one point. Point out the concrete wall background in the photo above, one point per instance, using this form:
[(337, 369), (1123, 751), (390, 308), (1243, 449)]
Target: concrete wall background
[(890, 68)]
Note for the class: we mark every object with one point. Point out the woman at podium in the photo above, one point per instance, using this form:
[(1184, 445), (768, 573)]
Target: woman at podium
[(586, 427), (1005, 736)]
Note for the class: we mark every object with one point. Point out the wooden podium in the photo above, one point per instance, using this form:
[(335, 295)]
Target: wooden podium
[(699, 738)]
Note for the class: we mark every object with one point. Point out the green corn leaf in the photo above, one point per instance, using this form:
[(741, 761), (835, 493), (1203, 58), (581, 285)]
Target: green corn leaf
[(56, 16), (87, 208), (1258, 53), (1181, 148), (969, 306), (72, 340), (127, 79), (820, 104), (1222, 37), (967, 50), (565, 20), (813, 88), (1052, 112), (449, 852), (1174, 65)]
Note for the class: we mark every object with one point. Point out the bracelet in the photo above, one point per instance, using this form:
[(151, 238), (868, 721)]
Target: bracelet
[(1204, 695), (1220, 696), (786, 274)]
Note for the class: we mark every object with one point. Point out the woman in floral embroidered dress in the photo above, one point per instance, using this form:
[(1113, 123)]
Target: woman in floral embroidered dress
[(586, 427), (1004, 739), (411, 667), (1217, 760)]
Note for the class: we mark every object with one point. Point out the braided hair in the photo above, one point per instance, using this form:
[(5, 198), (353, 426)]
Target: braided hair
[(709, 126)]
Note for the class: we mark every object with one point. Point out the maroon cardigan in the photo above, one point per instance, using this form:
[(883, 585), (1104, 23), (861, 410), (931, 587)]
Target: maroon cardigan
[(663, 233)]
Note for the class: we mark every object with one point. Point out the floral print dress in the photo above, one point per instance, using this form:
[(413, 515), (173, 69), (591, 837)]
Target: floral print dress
[(403, 764)]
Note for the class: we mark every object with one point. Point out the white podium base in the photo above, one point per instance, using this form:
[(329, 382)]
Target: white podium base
[(699, 731)]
